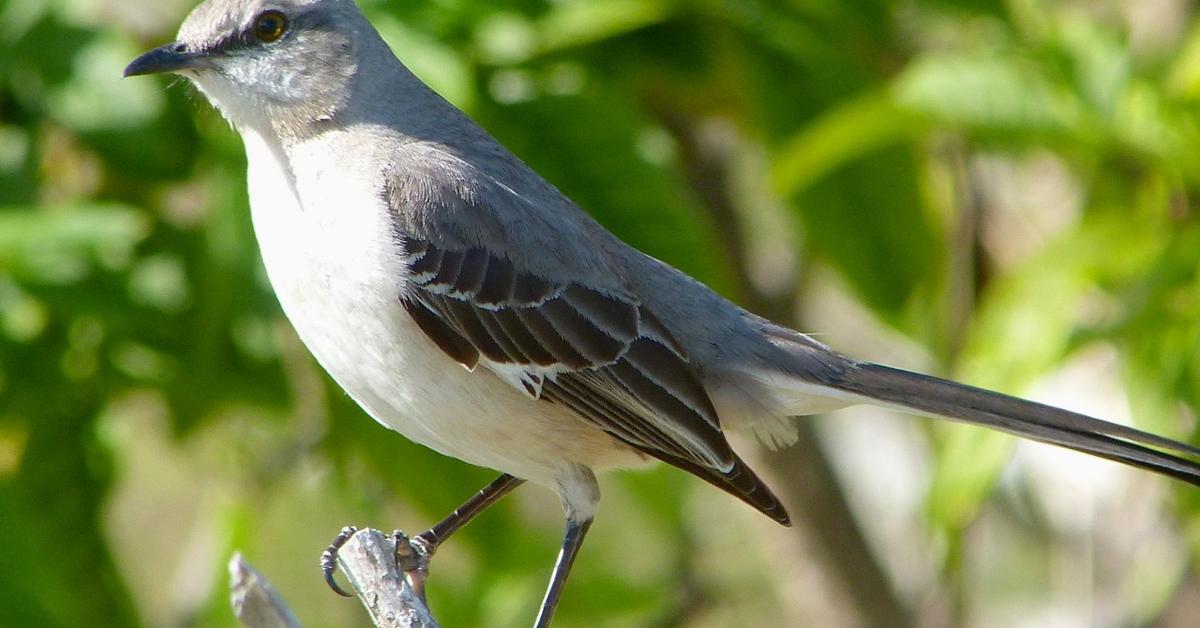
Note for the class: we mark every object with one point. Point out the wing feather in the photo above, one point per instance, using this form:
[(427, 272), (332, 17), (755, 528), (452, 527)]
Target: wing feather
[(590, 347), (596, 351)]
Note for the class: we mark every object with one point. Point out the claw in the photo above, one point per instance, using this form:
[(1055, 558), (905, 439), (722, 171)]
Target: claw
[(329, 560)]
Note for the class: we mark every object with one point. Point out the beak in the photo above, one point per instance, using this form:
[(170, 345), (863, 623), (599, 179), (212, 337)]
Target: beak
[(172, 57)]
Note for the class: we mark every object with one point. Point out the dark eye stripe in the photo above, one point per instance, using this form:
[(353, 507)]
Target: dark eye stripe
[(249, 37)]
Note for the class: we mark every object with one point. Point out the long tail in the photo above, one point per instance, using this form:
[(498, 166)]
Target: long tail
[(1028, 419)]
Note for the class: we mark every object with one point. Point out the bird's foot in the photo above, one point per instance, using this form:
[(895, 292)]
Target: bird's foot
[(329, 559), (412, 556)]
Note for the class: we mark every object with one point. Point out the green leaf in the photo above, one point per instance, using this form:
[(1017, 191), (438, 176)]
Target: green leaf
[(571, 24), (96, 78), (61, 245), (848, 131), (867, 220), (986, 92), (1183, 76)]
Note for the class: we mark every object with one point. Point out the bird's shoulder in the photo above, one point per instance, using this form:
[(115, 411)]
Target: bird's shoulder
[(490, 201), (478, 240)]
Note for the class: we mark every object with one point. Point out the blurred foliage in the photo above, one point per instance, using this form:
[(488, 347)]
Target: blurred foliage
[(156, 413)]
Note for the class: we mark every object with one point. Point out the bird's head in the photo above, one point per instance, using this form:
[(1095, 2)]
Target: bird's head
[(279, 65)]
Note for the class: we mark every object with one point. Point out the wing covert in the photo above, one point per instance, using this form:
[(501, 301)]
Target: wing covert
[(603, 356)]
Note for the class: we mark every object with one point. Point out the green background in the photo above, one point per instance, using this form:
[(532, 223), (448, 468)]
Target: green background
[(1004, 192)]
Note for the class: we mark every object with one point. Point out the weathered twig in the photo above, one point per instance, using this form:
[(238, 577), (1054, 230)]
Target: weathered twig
[(255, 602), (391, 591), (393, 596)]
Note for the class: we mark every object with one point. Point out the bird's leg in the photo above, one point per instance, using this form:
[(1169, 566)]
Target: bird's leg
[(572, 541), (412, 555), (481, 501)]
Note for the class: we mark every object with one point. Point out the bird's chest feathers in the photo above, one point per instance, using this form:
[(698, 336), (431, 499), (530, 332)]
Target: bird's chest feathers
[(326, 242), (324, 231)]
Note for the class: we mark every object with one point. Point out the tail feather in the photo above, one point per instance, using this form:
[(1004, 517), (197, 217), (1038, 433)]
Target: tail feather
[(1027, 419)]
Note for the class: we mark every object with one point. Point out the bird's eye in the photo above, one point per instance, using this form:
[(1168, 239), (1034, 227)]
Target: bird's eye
[(270, 26)]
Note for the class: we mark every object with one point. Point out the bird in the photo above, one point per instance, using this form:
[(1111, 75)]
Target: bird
[(463, 301)]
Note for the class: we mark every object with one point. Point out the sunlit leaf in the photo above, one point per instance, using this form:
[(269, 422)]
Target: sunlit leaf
[(578, 23), (60, 245), (847, 132), (987, 93), (97, 77), (893, 248)]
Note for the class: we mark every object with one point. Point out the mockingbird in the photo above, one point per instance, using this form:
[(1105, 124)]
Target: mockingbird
[(466, 303)]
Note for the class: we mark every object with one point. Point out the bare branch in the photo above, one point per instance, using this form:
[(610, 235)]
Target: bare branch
[(255, 602)]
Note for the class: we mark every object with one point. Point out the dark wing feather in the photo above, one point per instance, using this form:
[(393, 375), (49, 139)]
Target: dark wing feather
[(603, 356)]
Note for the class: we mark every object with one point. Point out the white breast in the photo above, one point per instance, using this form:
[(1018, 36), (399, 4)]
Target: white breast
[(327, 244)]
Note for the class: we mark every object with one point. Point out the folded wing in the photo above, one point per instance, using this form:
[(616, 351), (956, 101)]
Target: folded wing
[(602, 355)]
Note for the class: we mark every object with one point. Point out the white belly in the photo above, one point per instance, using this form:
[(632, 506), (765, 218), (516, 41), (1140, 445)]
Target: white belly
[(336, 271)]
